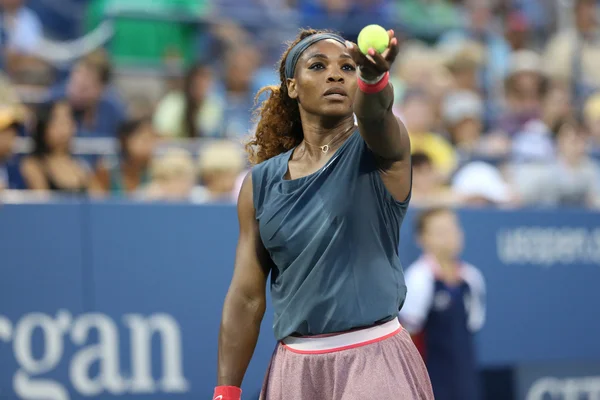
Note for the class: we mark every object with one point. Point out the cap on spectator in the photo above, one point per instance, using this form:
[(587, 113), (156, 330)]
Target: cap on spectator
[(11, 115), (221, 155), (461, 105), (591, 109), (481, 180), (462, 55), (525, 61)]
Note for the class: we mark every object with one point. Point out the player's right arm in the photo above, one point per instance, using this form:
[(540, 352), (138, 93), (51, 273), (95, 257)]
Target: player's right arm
[(245, 302)]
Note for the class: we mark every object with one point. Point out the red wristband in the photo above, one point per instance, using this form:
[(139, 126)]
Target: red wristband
[(227, 393), (374, 87)]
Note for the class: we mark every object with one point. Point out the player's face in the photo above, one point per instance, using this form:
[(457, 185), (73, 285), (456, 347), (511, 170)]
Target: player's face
[(325, 80), (443, 235)]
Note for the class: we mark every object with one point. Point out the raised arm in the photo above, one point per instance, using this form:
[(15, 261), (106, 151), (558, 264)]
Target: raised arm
[(384, 134), (245, 302)]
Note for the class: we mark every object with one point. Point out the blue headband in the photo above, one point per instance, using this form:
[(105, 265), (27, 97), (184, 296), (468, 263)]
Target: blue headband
[(296, 51)]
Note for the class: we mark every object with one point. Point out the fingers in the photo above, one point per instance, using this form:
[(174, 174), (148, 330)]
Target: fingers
[(373, 60), (356, 54), (391, 52)]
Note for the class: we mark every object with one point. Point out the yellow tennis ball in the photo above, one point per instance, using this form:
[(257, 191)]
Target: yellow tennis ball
[(373, 36)]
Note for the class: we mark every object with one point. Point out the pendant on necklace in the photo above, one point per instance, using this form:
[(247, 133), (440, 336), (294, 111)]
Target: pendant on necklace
[(325, 149)]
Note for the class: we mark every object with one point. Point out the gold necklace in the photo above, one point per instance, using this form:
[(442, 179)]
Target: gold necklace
[(325, 148)]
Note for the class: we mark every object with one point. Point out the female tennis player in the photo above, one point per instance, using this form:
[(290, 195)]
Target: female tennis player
[(321, 212)]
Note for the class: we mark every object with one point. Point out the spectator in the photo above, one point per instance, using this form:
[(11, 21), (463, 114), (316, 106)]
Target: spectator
[(97, 109), (418, 115), (464, 63), (20, 33), (532, 145), (11, 121), (193, 112), (445, 306), (517, 31), (172, 177), (574, 178), (421, 67), (427, 187), (52, 167), (571, 180), (130, 171), (240, 66), (220, 165), (525, 88), (573, 54), (463, 116), (482, 29)]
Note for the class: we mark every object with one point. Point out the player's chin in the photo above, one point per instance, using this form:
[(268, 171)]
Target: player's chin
[(337, 109)]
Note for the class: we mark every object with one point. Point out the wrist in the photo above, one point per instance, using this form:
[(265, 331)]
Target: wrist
[(227, 393), (369, 78), (373, 86)]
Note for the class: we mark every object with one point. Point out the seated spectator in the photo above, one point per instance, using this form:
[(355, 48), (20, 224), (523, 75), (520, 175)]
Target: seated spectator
[(52, 167), (573, 180), (418, 115), (525, 89), (97, 109), (427, 187), (11, 121), (481, 28), (193, 112), (573, 54), (130, 171), (464, 61), (463, 115), (420, 66), (517, 30), (219, 167), (533, 145), (241, 65), (173, 177), (20, 33)]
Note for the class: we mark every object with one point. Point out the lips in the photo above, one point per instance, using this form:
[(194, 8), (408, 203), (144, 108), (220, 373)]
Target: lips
[(335, 91)]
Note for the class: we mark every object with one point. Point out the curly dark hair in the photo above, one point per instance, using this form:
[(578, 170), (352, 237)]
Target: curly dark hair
[(279, 128)]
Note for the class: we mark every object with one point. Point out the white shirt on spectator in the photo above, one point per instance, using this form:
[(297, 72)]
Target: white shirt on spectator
[(420, 283)]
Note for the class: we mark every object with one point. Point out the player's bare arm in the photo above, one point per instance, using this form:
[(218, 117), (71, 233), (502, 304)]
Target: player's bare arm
[(245, 302), (385, 135)]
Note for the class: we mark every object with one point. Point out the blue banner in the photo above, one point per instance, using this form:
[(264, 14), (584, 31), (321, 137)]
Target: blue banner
[(116, 299)]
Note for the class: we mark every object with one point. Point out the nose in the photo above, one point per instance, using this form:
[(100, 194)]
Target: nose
[(335, 76)]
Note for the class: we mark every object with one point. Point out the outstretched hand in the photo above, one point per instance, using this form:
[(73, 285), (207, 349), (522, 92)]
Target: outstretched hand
[(374, 64)]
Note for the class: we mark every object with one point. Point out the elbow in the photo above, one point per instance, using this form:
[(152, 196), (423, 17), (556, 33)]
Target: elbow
[(239, 304)]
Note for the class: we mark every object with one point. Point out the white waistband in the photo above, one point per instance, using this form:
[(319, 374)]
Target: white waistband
[(342, 341)]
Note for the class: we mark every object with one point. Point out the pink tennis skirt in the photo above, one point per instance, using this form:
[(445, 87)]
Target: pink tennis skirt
[(380, 362)]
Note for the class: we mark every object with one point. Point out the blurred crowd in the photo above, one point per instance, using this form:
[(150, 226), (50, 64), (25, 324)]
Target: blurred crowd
[(154, 99)]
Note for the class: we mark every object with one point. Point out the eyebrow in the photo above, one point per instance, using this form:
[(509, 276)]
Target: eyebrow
[(321, 55)]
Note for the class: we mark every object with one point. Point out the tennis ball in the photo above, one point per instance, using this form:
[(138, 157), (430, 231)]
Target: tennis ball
[(373, 36)]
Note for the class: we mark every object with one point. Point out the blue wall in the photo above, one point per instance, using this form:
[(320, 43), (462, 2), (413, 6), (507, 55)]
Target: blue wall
[(81, 282)]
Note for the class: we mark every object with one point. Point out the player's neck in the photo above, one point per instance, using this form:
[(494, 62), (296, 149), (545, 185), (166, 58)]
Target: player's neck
[(320, 131)]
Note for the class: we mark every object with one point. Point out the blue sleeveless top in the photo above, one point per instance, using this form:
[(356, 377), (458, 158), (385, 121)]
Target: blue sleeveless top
[(333, 237)]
